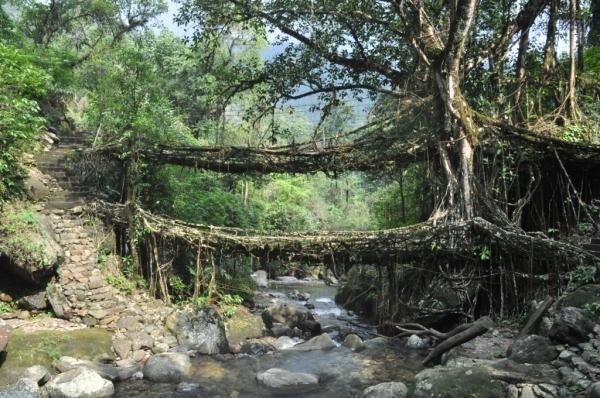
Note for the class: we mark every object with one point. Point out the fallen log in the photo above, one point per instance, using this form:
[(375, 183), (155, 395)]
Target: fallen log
[(475, 329), (533, 321)]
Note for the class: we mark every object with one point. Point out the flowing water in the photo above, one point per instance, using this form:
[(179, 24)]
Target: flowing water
[(342, 373)]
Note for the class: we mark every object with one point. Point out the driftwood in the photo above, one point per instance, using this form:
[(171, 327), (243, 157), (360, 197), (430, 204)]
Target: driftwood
[(474, 329), (533, 321), (535, 318), (448, 340)]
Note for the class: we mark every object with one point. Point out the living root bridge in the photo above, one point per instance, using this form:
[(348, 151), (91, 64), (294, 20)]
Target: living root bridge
[(368, 154), (399, 245)]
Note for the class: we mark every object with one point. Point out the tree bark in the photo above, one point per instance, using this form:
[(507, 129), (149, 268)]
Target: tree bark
[(571, 101), (550, 45), (594, 34), (519, 115)]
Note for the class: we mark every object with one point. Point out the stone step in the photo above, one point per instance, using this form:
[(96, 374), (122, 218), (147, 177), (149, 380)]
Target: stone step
[(595, 241), (63, 204), (592, 247)]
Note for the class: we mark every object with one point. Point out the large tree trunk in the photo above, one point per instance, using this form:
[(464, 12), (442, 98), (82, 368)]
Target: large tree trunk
[(594, 34), (458, 134), (520, 115), (571, 101), (550, 46)]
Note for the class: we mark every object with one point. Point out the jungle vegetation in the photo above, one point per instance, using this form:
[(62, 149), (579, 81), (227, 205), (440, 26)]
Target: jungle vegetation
[(498, 100)]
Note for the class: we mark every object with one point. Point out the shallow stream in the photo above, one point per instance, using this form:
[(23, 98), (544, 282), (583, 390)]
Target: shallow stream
[(342, 373)]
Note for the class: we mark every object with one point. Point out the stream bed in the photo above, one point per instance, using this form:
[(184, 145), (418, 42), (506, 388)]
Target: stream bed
[(342, 372)]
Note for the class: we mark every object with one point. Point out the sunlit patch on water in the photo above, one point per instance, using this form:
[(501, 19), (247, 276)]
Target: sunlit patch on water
[(326, 300), (328, 311)]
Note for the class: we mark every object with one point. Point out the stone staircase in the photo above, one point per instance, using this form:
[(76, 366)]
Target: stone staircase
[(81, 292), (593, 246)]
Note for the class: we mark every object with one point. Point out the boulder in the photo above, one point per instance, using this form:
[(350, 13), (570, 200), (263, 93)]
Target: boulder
[(310, 326), (37, 374), (256, 347), (36, 265), (284, 342), (457, 383), (129, 323), (467, 377), (571, 326), (58, 301), (243, 325), (35, 302), (203, 331), (594, 391), (35, 185), (288, 315), (140, 340), (286, 382), (122, 346), (586, 294), (260, 278), (168, 367), (113, 373), (5, 331), (321, 342), (386, 390), (24, 388), (79, 383), (415, 342), (280, 330), (533, 349), (353, 342)]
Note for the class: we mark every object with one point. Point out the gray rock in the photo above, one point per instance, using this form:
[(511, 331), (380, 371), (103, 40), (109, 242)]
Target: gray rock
[(168, 367), (280, 330), (113, 373), (129, 323), (256, 347), (354, 342), (571, 326), (260, 278), (203, 331), (37, 373), (284, 381), (386, 390), (34, 302), (321, 342), (140, 340), (24, 388), (122, 347), (79, 383), (284, 343), (480, 378), (415, 342), (533, 349), (5, 331), (594, 391), (287, 315), (37, 265), (527, 392), (58, 301)]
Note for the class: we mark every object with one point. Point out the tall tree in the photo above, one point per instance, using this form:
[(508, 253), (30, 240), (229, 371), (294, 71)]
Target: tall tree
[(405, 49)]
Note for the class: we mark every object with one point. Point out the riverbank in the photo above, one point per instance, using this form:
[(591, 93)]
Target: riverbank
[(305, 345)]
